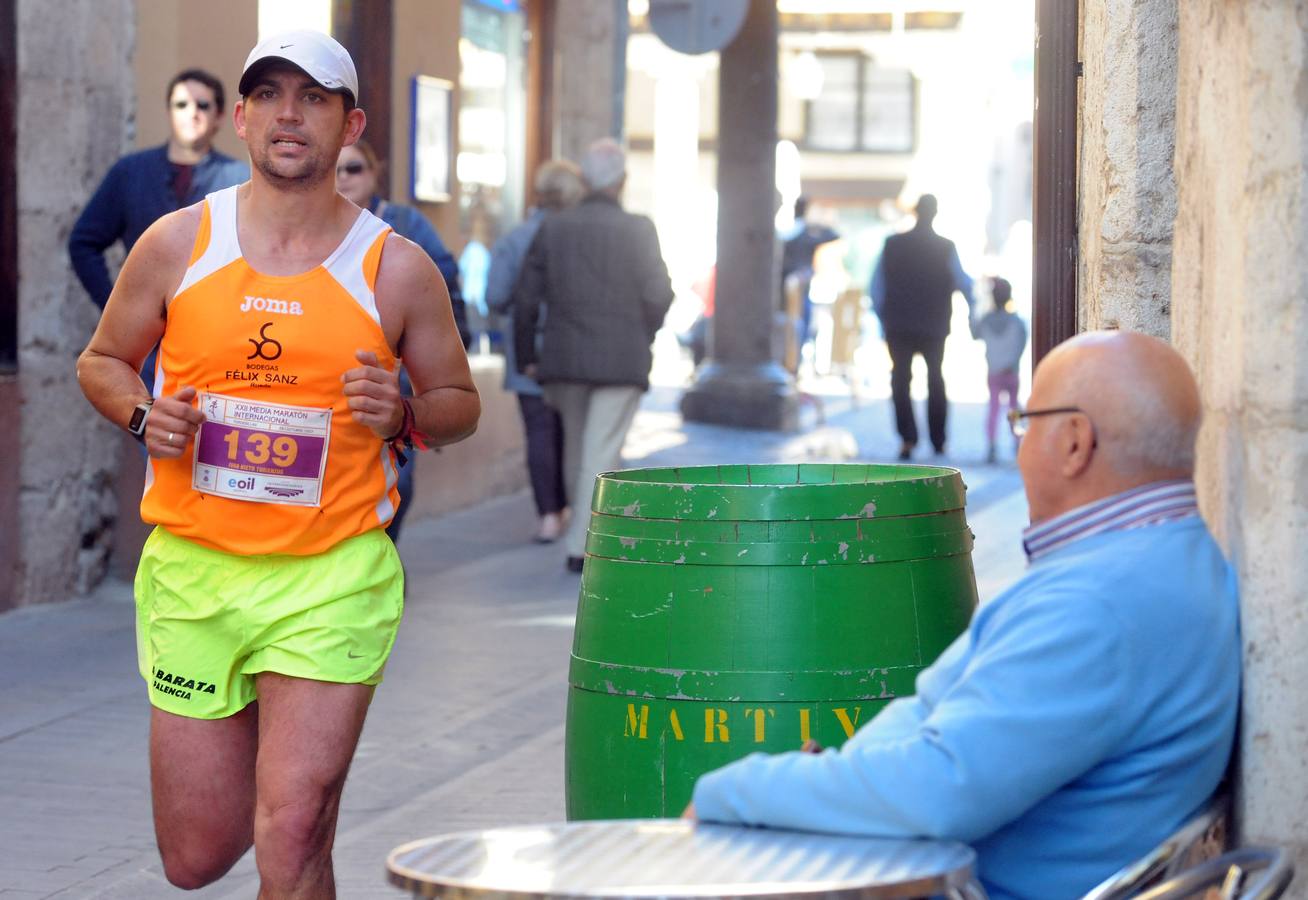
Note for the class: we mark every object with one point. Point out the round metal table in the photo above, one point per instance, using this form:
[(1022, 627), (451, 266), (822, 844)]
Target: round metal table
[(677, 858)]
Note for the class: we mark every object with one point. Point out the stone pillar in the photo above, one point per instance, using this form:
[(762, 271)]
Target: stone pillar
[(75, 106), (1128, 194), (740, 384), (1240, 283), (589, 74)]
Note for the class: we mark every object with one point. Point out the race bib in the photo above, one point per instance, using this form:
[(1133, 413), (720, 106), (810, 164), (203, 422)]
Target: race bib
[(264, 452)]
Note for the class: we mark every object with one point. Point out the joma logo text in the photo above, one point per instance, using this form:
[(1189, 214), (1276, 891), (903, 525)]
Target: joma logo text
[(269, 304)]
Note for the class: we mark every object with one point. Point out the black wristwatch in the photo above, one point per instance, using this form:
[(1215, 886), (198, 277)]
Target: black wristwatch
[(137, 424)]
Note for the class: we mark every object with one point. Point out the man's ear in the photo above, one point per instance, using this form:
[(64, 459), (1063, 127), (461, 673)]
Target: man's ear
[(1076, 444), (238, 118), (355, 122)]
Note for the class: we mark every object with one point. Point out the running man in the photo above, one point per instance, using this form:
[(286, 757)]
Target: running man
[(268, 595)]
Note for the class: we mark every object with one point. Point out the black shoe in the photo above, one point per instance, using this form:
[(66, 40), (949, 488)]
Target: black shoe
[(940, 450), (575, 563), (906, 451)]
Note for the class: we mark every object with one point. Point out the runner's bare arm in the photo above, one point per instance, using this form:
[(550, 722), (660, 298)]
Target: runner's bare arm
[(419, 323), (131, 324)]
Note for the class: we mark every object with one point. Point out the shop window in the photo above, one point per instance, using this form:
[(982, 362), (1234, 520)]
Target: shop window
[(862, 107), (489, 161)]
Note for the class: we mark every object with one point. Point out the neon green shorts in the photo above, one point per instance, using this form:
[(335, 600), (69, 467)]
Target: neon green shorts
[(207, 622)]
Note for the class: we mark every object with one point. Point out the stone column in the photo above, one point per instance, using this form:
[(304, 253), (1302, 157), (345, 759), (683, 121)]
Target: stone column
[(1128, 194), (740, 384), (1240, 287), (76, 96), (590, 39)]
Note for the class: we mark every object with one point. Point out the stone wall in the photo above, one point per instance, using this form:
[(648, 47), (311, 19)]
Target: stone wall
[(1127, 193), (1240, 277), (75, 105)]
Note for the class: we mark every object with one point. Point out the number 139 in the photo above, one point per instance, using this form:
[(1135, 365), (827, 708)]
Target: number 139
[(259, 448)]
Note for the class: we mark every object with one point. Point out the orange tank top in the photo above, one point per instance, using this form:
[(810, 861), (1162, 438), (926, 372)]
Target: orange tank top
[(279, 465)]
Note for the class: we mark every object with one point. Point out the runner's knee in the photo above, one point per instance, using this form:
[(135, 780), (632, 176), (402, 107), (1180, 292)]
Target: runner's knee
[(192, 867), (295, 830)]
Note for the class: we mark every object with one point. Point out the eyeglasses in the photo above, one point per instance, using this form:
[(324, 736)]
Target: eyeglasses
[(350, 168), (1017, 418), (201, 105)]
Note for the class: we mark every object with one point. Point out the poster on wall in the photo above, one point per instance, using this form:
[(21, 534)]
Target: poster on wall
[(431, 139)]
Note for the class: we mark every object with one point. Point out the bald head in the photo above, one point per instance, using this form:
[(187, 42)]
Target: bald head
[(1141, 417)]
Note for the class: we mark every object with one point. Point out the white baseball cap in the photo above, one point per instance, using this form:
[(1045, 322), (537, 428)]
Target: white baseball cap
[(321, 58)]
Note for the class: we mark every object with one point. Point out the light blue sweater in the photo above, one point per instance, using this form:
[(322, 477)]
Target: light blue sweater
[(1085, 714)]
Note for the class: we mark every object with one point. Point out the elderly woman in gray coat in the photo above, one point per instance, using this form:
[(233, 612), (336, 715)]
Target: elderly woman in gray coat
[(558, 186)]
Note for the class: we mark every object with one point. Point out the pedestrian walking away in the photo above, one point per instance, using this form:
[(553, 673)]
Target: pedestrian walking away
[(596, 278), (145, 185), (558, 186), (268, 595), (912, 291), (1004, 334), (357, 171), (799, 244)]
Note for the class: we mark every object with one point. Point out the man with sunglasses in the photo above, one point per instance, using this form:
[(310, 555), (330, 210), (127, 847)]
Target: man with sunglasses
[(1090, 709), (143, 186)]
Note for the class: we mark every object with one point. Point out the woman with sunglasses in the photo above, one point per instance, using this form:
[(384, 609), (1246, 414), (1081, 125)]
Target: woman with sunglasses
[(357, 169)]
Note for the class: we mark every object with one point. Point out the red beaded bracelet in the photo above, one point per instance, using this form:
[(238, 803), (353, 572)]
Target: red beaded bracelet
[(408, 437)]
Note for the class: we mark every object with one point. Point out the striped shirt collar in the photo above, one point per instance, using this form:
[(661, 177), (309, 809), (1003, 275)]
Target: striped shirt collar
[(1149, 504)]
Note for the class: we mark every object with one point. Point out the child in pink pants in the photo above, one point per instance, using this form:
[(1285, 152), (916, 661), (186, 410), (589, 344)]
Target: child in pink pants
[(1004, 334)]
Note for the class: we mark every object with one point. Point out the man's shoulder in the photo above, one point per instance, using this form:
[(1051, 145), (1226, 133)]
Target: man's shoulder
[(220, 160), (403, 262), (139, 159), (637, 223), (1160, 564), (408, 220), (517, 237)]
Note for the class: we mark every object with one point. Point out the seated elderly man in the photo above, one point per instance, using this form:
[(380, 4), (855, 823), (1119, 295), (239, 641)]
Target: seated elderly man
[(1089, 709)]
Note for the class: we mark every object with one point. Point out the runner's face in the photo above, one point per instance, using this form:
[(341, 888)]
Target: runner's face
[(293, 126), (193, 114)]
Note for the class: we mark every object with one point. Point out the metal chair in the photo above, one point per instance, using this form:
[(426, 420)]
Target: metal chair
[(1232, 873), (1200, 839)]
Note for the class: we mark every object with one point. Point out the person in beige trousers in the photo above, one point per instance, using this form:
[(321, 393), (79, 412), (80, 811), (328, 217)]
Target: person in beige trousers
[(599, 273)]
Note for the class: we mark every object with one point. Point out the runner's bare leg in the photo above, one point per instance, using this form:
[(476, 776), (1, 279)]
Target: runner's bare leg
[(307, 734), (202, 781)]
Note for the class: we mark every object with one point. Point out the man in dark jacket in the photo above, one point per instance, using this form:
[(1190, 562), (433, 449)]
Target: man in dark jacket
[(143, 186), (913, 293), (599, 272)]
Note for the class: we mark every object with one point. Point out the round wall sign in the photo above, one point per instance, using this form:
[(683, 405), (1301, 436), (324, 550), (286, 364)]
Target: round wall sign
[(697, 26)]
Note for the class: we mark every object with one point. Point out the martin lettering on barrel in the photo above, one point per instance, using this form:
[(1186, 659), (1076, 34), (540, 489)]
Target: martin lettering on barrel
[(1089, 710)]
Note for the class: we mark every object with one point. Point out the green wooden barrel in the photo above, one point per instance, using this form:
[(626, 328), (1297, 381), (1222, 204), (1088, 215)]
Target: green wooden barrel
[(731, 609)]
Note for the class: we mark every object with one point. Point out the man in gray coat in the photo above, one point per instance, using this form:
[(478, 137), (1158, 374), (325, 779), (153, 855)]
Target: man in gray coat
[(601, 275)]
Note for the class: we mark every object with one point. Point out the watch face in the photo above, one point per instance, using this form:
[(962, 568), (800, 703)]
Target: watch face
[(137, 425)]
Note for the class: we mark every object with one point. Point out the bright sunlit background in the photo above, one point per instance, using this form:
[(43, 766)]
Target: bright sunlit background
[(880, 102), (285, 15)]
